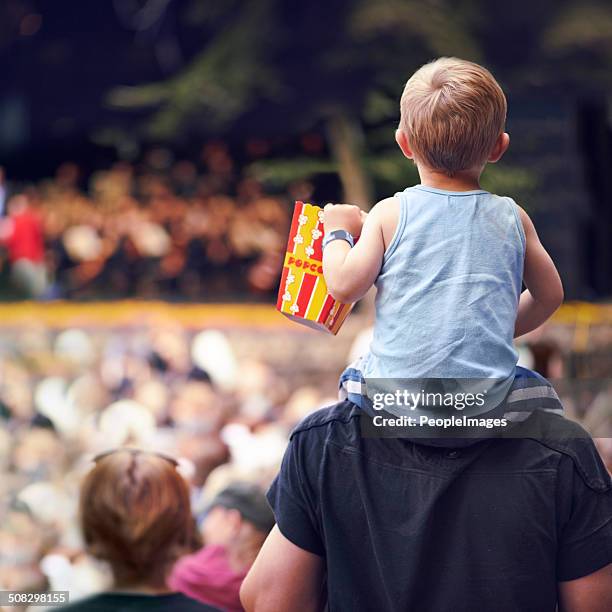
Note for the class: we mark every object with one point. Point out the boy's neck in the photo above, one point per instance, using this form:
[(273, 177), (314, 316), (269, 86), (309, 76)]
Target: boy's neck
[(467, 180)]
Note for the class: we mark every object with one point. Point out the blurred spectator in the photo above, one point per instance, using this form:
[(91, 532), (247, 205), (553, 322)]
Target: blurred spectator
[(604, 446), (598, 420), (135, 514), (234, 529), (547, 358), (22, 233)]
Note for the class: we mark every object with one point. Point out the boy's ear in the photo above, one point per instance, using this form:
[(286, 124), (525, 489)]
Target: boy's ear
[(404, 145), (501, 146)]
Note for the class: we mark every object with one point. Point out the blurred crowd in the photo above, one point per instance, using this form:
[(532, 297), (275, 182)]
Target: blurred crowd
[(67, 395), (159, 227)]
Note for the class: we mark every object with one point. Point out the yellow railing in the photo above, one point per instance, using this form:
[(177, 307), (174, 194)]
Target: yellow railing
[(580, 315), (127, 312)]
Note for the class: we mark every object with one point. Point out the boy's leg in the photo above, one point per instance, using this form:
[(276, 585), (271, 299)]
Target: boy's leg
[(530, 391)]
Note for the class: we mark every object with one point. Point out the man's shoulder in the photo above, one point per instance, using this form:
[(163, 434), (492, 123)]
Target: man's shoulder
[(554, 435), (343, 415), (565, 437)]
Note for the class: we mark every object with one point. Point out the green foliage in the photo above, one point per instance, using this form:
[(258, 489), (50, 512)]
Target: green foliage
[(219, 85), (249, 60), (242, 63), (581, 26), (391, 171), (441, 27), (282, 172), (579, 38), (518, 182), (379, 106)]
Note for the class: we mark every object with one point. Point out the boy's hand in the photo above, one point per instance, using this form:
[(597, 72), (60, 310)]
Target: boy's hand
[(343, 216), (349, 273)]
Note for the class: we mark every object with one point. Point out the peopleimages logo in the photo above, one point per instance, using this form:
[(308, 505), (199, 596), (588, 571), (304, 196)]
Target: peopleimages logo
[(444, 423), (412, 400)]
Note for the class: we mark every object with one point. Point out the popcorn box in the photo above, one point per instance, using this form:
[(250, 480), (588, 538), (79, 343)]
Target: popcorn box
[(303, 295)]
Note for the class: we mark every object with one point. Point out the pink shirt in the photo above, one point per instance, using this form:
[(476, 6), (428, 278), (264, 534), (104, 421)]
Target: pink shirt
[(207, 576)]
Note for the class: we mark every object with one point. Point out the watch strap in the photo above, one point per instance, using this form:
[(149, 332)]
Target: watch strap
[(338, 234)]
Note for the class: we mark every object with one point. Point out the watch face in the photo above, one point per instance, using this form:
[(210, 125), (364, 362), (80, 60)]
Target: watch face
[(338, 235), (341, 235)]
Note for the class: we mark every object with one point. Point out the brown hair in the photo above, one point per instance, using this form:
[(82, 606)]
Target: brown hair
[(452, 112), (135, 514)]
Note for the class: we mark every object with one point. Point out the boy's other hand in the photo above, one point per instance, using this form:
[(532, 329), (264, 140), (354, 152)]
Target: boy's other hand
[(343, 216)]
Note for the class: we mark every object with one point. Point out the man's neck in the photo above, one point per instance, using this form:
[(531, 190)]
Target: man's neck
[(141, 589), (467, 180)]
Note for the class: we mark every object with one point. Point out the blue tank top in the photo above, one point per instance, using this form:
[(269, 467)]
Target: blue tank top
[(449, 288)]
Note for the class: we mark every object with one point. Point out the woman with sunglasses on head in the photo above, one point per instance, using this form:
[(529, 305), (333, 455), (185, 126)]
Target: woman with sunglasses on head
[(136, 515)]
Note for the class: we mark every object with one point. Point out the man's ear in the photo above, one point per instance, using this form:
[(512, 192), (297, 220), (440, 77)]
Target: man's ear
[(234, 519), (404, 145), (501, 146)]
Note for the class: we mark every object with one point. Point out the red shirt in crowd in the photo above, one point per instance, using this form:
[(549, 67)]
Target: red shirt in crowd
[(207, 576), (25, 238)]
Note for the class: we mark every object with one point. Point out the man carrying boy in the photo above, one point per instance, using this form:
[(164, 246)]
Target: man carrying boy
[(517, 523)]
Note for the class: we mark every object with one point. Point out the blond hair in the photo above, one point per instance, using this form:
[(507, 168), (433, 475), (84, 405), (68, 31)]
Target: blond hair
[(452, 112)]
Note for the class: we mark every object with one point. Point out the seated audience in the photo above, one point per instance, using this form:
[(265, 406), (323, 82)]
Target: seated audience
[(156, 228)]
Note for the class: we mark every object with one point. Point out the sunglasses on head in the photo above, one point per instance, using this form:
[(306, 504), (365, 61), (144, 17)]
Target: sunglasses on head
[(136, 451)]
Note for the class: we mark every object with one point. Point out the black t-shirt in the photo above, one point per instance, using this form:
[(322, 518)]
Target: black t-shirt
[(409, 527), (136, 602)]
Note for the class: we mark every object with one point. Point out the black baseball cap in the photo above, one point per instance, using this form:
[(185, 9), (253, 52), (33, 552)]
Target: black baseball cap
[(250, 500)]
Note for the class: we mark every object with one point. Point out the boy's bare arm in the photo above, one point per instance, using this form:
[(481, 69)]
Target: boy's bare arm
[(544, 292), (350, 272)]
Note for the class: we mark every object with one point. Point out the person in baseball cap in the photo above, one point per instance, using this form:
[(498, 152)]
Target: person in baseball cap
[(234, 528)]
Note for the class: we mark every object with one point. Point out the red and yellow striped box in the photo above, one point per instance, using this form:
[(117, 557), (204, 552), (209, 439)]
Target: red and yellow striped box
[(302, 295)]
